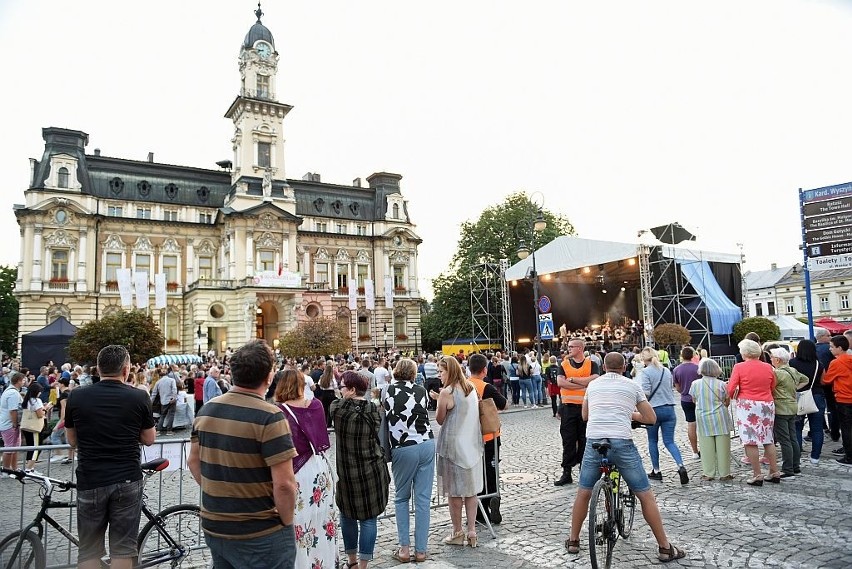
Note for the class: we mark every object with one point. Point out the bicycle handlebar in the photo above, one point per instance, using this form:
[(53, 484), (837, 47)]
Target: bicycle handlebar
[(148, 468)]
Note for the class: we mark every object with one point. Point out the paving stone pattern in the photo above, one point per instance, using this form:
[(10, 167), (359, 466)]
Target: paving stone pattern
[(805, 522)]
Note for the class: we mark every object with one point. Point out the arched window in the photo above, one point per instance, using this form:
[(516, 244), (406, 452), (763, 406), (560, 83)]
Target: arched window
[(400, 324), (62, 177), (396, 211)]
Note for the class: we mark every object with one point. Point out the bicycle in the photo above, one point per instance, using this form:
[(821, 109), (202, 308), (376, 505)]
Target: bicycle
[(171, 536), (611, 510)]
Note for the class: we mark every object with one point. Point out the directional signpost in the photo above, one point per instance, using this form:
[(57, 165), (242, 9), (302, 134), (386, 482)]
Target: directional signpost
[(545, 325)]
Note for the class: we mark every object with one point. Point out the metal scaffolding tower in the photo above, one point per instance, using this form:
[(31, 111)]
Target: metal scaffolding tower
[(645, 285), (506, 305), (486, 302)]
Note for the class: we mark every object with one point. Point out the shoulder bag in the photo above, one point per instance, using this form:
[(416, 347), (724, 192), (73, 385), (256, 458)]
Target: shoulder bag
[(489, 419), (31, 422), (805, 399)]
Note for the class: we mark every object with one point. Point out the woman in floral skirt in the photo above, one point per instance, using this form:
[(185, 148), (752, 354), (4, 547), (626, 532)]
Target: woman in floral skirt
[(315, 520)]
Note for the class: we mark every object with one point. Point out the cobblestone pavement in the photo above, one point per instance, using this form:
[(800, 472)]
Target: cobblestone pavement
[(805, 522)]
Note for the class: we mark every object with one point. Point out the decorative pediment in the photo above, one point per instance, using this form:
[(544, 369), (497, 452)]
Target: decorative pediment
[(143, 244), (399, 258), (342, 255), (268, 241), (61, 238), (400, 311), (363, 256), (363, 311), (111, 309), (206, 248), (115, 243), (322, 254), (267, 221), (57, 310), (170, 246), (343, 312)]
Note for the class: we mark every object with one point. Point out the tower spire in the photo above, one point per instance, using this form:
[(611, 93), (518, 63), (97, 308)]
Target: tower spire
[(258, 13)]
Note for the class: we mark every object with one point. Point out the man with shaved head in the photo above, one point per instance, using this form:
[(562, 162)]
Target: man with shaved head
[(611, 402)]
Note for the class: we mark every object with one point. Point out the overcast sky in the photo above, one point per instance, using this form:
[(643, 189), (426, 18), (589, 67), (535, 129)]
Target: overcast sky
[(624, 115)]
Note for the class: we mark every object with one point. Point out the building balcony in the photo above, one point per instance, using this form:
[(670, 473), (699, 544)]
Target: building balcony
[(59, 285)]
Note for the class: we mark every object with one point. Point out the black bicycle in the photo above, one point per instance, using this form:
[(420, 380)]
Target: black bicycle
[(170, 537), (611, 510)]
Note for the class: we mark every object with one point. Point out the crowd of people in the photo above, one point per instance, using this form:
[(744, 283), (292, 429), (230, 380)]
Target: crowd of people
[(260, 425)]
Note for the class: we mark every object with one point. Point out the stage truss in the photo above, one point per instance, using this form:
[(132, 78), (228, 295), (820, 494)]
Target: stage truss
[(489, 302)]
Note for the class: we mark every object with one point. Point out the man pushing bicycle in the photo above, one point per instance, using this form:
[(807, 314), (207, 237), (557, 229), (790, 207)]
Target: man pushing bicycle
[(610, 404)]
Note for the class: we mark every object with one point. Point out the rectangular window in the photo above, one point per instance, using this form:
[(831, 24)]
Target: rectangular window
[(322, 272), (363, 328), (398, 277), (790, 309), (113, 263), (322, 226), (363, 274), (205, 267), (143, 213), (361, 229), (59, 265), (172, 328), (823, 303), (758, 309), (114, 210), (342, 276), (266, 260), (143, 264), (399, 326), (262, 87), (770, 308), (341, 228), (264, 154), (844, 301), (170, 215), (170, 268), (205, 218)]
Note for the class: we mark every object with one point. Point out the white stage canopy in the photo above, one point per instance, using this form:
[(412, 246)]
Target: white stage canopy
[(791, 328)]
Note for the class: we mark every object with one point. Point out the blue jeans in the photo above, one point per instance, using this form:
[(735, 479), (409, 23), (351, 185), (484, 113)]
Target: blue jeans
[(526, 390), (364, 543), (413, 467), (622, 453), (117, 505), (667, 421), (536, 390), (815, 424), (273, 551)]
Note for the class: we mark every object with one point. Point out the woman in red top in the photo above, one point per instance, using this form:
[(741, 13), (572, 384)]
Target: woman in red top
[(751, 385)]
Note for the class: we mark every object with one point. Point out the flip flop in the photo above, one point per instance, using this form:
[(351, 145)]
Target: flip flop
[(396, 555)]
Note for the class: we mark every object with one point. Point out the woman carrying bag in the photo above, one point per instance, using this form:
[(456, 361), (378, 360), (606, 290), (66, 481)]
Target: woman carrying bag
[(34, 411)]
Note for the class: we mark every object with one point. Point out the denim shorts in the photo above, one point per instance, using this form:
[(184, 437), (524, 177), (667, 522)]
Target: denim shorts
[(622, 453), (117, 505)]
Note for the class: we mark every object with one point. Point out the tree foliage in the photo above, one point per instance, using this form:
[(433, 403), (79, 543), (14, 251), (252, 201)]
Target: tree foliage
[(496, 234), (134, 330), (671, 334), (763, 327), (318, 337), (8, 311)]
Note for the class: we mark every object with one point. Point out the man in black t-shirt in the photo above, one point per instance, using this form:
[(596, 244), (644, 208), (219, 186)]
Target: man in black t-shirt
[(107, 421)]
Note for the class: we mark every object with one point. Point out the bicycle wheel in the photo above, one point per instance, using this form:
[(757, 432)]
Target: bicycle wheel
[(602, 525), (626, 509), (174, 539), (31, 555)]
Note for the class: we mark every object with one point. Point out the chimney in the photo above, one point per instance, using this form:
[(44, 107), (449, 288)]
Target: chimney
[(97, 151), (356, 182), (150, 157), (308, 177), (774, 266)]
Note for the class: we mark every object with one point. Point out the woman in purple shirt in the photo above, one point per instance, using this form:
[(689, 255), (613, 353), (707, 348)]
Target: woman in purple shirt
[(684, 375)]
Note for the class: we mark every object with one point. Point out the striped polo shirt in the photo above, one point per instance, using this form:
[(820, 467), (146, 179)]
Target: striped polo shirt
[(612, 398), (240, 436)]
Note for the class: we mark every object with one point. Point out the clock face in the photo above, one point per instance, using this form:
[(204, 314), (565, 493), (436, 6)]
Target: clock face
[(263, 50)]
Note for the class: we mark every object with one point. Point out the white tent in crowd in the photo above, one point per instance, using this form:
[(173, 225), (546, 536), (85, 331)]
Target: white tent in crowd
[(791, 328)]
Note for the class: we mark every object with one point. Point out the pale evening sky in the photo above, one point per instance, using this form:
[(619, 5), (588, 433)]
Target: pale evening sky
[(623, 114)]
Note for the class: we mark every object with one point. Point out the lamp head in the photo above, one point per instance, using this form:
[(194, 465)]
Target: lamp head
[(540, 223), (523, 250)]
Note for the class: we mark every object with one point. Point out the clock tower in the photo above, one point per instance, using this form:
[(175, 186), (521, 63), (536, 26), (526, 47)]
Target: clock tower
[(258, 141)]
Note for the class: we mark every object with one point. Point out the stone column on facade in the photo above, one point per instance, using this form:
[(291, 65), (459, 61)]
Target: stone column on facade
[(190, 261), (412, 272), (81, 260), (306, 265), (37, 253), (249, 253), (24, 240), (232, 253), (285, 252), (222, 268)]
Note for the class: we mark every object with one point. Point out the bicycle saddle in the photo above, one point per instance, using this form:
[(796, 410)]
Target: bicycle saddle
[(156, 465)]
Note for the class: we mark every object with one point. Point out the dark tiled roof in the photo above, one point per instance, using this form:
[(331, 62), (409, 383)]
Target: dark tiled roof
[(797, 279)]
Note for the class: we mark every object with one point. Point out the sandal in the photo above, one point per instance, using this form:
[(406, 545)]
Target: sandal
[(346, 565), (756, 481), (398, 556), (573, 546), (471, 539), (420, 557), (775, 477), (456, 538), (670, 553), (707, 478)]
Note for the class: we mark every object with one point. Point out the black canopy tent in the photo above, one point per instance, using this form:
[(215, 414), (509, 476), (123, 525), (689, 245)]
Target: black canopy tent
[(48, 344)]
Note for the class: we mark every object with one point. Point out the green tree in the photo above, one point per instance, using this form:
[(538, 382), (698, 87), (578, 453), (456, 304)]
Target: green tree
[(763, 327), (134, 330), (318, 337), (8, 311), (493, 236)]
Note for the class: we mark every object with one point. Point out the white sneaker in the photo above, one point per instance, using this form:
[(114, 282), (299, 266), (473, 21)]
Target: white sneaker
[(696, 455), (814, 461), (33, 471), (57, 458)]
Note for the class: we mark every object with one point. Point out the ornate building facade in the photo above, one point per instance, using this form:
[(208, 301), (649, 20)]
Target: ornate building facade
[(247, 252)]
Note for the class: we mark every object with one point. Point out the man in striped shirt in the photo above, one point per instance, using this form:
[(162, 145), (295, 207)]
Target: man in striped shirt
[(242, 457), (610, 404)]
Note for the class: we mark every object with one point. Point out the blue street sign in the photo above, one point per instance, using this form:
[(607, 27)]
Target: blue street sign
[(544, 304), (545, 326)]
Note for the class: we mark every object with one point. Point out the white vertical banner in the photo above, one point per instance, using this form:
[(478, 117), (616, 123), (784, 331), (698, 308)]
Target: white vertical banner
[(160, 290), (388, 292), (369, 294), (125, 287), (140, 283), (353, 296)]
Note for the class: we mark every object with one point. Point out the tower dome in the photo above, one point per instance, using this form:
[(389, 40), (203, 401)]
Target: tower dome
[(258, 32)]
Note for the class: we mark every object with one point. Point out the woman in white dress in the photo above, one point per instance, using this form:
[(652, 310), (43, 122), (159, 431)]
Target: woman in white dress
[(460, 449)]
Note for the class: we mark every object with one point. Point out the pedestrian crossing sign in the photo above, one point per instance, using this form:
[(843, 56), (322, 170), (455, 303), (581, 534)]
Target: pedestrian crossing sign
[(545, 326)]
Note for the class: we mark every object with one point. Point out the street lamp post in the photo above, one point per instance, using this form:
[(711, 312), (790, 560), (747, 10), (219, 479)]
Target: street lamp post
[(198, 334), (385, 330), (537, 226)]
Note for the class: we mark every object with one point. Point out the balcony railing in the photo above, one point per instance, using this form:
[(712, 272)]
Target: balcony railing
[(60, 285), (261, 94)]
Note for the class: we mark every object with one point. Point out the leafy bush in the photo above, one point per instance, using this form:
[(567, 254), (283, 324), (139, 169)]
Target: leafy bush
[(134, 330), (763, 327), (671, 334), (318, 337)]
